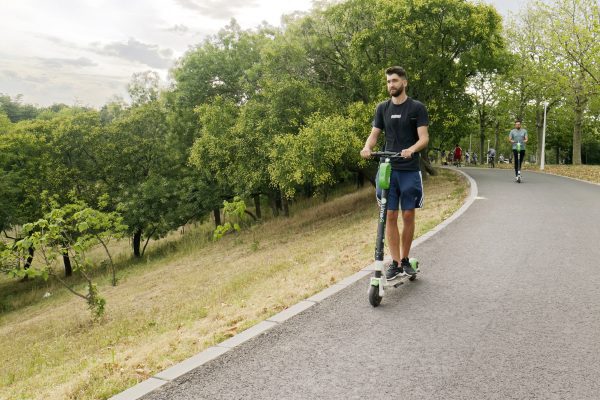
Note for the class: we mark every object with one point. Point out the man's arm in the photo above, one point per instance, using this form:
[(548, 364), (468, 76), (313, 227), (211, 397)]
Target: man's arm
[(510, 138), (370, 143), (423, 132)]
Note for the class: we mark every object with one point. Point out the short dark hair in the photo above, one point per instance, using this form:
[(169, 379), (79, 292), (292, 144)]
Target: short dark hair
[(517, 120), (396, 70)]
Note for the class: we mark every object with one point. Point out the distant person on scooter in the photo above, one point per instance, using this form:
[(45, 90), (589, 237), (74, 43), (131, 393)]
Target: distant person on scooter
[(518, 138), (405, 122), (491, 157)]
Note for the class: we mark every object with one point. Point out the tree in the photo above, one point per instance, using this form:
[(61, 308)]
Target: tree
[(15, 110), (74, 228), (573, 32), (24, 167), (141, 172), (5, 123), (318, 156), (144, 87), (441, 43)]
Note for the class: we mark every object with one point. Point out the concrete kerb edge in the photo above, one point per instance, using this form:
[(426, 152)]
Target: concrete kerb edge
[(177, 370), (563, 176), (470, 200)]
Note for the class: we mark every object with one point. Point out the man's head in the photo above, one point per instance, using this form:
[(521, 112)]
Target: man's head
[(396, 80), (517, 123)]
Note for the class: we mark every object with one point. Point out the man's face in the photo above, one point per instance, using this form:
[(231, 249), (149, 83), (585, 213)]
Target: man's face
[(517, 125), (395, 85)]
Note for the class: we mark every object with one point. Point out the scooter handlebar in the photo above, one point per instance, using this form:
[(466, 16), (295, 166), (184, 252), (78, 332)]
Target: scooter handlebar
[(385, 154)]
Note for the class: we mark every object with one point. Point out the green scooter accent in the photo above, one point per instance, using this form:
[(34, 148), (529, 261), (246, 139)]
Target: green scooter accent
[(414, 263), (385, 174)]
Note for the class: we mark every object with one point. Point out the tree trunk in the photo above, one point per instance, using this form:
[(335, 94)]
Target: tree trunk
[(285, 206), (27, 264), (29, 258), (273, 203), (426, 167), (257, 206), (137, 239), (483, 153), (67, 262), (497, 134), (360, 179), (539, 129), (217, 215), (248, 212), (579, 107)]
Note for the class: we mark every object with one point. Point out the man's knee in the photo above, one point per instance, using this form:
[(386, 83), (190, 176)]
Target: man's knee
[(408, 216), (392, 216)]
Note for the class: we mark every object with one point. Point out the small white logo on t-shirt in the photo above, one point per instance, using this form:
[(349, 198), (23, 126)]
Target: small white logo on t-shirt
[(396, 116)]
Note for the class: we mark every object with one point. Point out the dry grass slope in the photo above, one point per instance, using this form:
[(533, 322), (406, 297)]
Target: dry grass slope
[(175, 306)]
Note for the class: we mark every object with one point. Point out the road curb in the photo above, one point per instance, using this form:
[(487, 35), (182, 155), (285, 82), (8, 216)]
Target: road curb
[(563, 176), (177, 370)]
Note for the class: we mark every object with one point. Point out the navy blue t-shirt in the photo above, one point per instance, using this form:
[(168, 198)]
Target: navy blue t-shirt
[(400, 123)]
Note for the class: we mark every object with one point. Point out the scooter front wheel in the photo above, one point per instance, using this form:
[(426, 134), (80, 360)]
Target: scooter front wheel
[(374, 297)]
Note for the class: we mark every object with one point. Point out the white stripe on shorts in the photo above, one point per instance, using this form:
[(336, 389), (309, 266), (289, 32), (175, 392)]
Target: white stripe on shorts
[(422, 190)]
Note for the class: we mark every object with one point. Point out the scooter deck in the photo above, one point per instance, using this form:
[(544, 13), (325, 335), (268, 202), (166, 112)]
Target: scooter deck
[(399, 280)]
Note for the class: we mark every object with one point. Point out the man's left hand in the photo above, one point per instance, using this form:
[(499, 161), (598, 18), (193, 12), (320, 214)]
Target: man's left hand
[(407, 153)]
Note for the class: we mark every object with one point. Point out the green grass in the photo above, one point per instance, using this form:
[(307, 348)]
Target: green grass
[(185, 296)]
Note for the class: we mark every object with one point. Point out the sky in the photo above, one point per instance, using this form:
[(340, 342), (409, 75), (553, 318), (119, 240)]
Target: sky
[(85, 52)]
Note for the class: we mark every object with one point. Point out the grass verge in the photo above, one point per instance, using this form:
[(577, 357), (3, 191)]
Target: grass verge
[(174, 306)]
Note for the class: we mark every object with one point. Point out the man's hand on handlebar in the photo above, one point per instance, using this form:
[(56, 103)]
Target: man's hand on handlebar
[(369, 154), (406, 153)]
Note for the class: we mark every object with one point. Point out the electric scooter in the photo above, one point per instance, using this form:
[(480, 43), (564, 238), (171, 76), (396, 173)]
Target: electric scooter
[(379, 283), (518, 152)]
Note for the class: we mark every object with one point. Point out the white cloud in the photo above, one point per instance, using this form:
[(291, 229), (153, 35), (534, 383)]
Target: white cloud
[(60, 62), (219, 9), (136, 51), (88, 50)]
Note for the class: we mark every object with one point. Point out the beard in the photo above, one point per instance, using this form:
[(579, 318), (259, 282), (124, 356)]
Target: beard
[(396, 92)]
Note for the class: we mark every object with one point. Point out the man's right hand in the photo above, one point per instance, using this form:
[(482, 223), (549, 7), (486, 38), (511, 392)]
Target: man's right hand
[(366, 153)]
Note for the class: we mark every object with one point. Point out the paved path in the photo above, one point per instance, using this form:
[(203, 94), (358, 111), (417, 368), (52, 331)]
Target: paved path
[(507, 307)]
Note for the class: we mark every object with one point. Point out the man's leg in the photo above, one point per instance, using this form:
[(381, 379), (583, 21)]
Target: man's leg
[(408, 231), (393, 234), (516, 159)]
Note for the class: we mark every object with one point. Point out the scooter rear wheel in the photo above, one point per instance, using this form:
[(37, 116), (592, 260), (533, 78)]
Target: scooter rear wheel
[(374, 297)]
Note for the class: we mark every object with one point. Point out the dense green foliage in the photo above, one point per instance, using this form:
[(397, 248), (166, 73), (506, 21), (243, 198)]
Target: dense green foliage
[(272, 113)]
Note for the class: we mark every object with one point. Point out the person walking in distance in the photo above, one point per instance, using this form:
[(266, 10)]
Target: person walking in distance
[(457, 155), (518, 138), (405, 122)]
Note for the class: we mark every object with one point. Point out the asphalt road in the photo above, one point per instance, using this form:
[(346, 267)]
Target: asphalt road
[(507, 306)]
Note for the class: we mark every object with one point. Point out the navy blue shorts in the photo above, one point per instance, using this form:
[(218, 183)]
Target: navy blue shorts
[(406, 190)]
